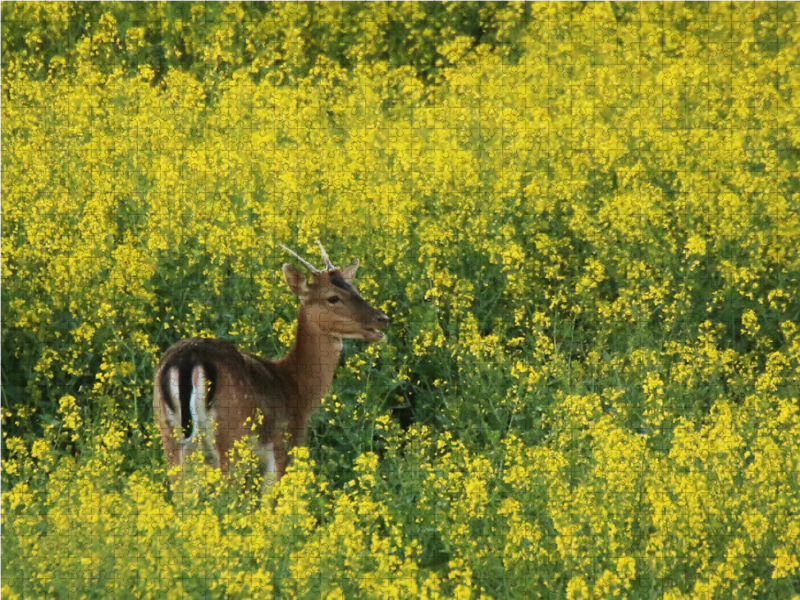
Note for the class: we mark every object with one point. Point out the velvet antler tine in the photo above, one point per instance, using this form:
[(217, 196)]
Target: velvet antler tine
[(302, 260), (328, 264)]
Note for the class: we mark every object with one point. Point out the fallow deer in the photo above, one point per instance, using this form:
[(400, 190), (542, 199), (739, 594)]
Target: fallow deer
[(207, 394)]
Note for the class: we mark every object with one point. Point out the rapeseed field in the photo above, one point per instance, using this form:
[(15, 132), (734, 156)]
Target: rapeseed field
[(583, 219)]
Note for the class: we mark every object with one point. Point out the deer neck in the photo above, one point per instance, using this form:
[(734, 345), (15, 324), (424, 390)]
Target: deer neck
[(311, 363)]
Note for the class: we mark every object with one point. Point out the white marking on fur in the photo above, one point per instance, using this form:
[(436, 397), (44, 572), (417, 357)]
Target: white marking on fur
[(209, 444), (174, 390), (198, 397), (266, 453), (272, 467)]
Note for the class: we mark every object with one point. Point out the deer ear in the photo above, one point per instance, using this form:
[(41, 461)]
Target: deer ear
[(349, 272), (296, 280)]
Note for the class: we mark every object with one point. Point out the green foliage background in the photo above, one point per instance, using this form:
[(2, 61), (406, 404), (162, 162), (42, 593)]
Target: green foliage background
[(581, 217)]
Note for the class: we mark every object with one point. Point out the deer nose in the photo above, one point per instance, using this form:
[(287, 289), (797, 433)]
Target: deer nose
[(382, 319)]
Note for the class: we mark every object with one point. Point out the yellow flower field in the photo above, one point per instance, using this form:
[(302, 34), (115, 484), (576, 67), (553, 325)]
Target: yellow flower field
[(582, 218)]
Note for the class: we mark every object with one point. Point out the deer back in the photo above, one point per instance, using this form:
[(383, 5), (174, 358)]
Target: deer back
[(238, 385)]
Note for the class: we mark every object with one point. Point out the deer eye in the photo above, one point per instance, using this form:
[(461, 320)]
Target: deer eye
[(333, 299)]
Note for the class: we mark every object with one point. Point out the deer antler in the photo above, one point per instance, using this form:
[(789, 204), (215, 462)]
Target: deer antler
[(311, 267), (328, 263)]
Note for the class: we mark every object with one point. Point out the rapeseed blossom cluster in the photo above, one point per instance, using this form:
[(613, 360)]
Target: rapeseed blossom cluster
[(584, 225)]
